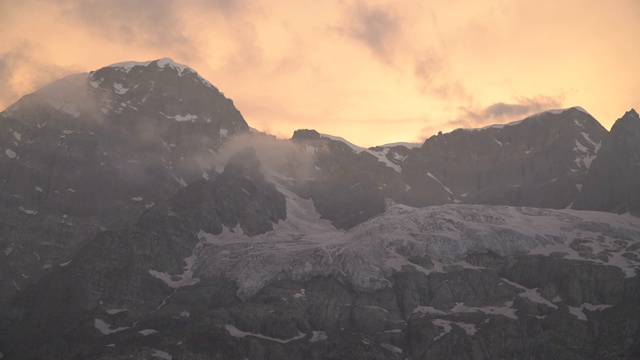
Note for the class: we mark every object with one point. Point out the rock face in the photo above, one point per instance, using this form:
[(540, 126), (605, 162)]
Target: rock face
[(612, 182), (92, 151), (123, 234)]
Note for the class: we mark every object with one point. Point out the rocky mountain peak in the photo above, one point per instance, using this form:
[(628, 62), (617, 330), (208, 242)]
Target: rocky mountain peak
[(628, 124), (93, 150), (305, 134)]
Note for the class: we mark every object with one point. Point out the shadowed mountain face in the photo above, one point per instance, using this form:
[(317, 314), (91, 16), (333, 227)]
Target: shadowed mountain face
[(141, 218), (541, 161), (612, 184)]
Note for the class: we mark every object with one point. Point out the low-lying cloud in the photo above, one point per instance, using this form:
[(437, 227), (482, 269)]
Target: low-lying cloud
[(24, 68)]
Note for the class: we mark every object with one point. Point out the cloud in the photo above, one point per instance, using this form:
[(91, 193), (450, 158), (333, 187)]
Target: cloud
[(500, 112), (134, 22), (25, 67), (433, 79), (374, 27)]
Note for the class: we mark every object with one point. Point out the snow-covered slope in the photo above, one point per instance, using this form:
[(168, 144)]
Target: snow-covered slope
[(367, 255)]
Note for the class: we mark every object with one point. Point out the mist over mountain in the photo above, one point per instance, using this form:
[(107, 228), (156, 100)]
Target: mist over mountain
[(142, 216)]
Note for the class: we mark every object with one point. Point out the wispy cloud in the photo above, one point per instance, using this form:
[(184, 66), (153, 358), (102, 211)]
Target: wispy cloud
[(375, 27), (500, 111), (134, 22), (497, 113), (25, 67)]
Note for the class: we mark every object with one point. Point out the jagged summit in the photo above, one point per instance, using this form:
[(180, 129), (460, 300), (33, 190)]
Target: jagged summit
[(305, 134), (161, 63), (627, 125)]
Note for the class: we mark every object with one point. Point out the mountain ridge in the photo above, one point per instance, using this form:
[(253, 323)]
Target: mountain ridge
[(132, 225)]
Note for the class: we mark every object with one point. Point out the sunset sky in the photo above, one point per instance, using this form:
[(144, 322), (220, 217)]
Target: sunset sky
[(373, 72)]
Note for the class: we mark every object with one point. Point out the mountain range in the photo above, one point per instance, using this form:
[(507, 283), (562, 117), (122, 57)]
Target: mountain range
[(143, 217)]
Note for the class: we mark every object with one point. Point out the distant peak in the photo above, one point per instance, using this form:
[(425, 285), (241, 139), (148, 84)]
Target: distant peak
[(552, 111), (559, 111), (408, 145)]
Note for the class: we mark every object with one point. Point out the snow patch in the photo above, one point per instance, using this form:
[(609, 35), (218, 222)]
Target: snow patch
[(578, 312), (162, 355), (10, 153), (184, 279), (187, 117), (470, 329), (65, 263), (531, 294), (300, 295), (28, 212), (391, 348), (115, 311), (506, 311), (235, 332), (147, 332), (318, 336), (105, 328), (120, 89), (444, 324), (429, 310), (16, 135)]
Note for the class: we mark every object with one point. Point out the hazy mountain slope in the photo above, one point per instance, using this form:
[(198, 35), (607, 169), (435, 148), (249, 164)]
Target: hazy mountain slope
[(92, 151)]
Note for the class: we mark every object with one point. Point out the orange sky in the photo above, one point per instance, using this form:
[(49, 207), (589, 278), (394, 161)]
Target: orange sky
[(373, 72)]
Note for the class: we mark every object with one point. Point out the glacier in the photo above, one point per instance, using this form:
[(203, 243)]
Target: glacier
[(304, 246)]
